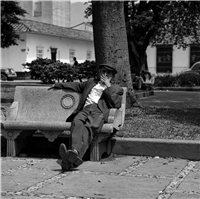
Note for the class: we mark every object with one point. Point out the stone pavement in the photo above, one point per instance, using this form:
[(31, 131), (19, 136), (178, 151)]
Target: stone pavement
[(116, 177)]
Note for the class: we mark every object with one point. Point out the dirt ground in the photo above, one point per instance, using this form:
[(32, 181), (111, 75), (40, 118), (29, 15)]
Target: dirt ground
[(166, 114)]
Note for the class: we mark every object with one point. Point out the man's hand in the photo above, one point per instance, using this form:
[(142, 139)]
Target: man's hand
[(106, 80)]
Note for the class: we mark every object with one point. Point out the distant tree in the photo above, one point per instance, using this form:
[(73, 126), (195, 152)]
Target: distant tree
[(160, 22), (10, 13), (153, 22)]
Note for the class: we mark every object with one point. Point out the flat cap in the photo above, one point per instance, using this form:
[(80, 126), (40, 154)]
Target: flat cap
[(108, 67)]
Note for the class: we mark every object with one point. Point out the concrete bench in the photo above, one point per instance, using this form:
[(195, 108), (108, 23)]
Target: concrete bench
[(46, 111)]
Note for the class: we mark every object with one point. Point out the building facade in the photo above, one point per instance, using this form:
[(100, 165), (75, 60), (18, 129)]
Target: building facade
[(51, 12), (44, 40), (167, 59)]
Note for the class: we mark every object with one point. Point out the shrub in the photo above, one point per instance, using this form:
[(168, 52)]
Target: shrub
[(87, 70), (41, 69), (48, 71), (189, 79), (165, 80), (182, 79)]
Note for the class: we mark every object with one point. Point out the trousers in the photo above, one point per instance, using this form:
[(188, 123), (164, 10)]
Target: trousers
[(85, 126)]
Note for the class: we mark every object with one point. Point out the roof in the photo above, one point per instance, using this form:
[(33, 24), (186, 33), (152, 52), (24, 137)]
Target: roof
[(29, 26), (83, 26), (83, 23)]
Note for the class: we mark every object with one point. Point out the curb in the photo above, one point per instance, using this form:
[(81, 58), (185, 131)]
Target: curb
[(165, 148), (144, 94), (184, 149)]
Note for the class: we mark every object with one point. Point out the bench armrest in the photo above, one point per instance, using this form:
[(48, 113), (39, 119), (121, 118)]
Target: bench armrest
[(12, 111), (117, 116), (112, 114)]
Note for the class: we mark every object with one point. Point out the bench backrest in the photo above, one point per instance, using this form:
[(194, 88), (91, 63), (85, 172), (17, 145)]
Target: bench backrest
[(40, 104), (33, 103)]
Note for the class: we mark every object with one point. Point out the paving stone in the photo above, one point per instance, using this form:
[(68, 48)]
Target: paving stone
[(184, 196), (197, 166), (105, 186), (117, 177), (11, 163), (48, 164), (24, 178), (191, 183), (161, 167), (115, 165), (23, 197)]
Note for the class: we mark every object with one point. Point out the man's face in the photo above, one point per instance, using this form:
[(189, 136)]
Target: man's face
[(108, 73)]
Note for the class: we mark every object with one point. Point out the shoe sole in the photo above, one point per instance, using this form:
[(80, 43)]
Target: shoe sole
[(65, 164), (73, 158), (69, 157)]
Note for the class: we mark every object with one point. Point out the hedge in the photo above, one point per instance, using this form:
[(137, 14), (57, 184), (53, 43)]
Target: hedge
[(49, 71)]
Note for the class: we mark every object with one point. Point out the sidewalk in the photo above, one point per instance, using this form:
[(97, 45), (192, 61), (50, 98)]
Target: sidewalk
[(117, 177)]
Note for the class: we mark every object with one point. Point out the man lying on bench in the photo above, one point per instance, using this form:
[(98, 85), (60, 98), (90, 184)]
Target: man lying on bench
[(98, 97)]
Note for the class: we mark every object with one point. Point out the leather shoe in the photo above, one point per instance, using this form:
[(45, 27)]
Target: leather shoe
[(65, 164), (74, 158), (70, 158)]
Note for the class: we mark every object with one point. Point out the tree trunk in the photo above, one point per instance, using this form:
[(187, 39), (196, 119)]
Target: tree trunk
[(138, 58), (110, 40)]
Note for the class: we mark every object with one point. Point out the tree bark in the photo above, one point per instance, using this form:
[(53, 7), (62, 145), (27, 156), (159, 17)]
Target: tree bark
[(110, 40)]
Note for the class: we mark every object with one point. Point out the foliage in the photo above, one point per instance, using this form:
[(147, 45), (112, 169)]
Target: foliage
[(165, 80), (153, 22), (49, 71), (87, 69), (10, 13), (189, 79), (165, 22), (186, 79)]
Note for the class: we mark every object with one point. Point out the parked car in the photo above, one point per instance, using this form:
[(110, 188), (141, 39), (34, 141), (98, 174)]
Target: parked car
[(194, 69), (8, 74)]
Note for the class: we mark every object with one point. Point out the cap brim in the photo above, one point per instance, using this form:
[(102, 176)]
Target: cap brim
[(108, 67)]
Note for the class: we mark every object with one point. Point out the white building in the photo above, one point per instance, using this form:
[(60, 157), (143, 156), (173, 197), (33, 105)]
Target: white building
[(51, 11), (44, 40), (164, 59)]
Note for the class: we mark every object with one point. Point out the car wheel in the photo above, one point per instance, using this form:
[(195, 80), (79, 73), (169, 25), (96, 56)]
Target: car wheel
[(3, 77)]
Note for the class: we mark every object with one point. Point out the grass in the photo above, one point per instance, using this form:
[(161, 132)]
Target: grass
[(165, 122)]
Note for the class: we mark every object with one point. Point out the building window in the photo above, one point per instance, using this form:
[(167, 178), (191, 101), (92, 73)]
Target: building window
[(37, 9), (88, 55), (164, 59), (40, 52), (194, 53), (71, 55)]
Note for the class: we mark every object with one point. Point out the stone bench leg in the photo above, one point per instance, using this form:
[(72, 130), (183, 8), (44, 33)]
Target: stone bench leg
[(99, 147), (12, 146)]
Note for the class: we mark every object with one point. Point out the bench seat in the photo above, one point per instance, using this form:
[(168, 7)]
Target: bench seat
[(63, 126)]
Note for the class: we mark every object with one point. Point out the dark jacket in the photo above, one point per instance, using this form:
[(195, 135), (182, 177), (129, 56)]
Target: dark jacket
[(111, 97)]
